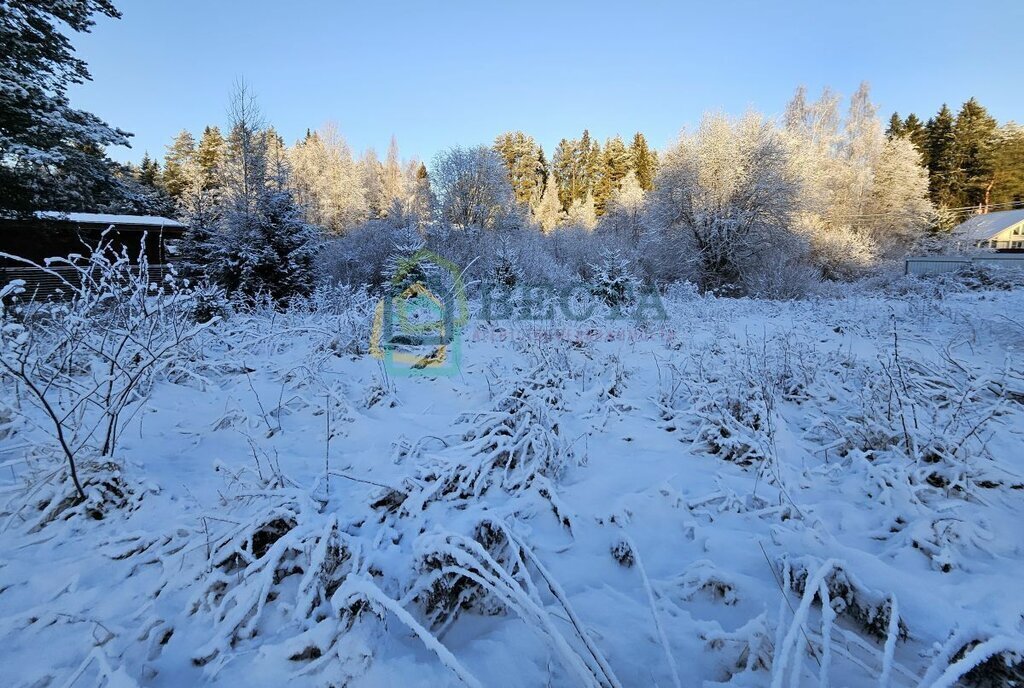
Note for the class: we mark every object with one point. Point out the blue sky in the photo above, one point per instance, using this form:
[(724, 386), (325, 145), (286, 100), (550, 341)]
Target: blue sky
[(441, 73)]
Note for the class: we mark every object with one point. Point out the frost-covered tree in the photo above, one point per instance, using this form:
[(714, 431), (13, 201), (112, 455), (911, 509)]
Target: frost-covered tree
[(625, 209), (393, 193), (472, 188), (371, 176), (582, 214), (262, 243), (615, 283), (327, 182), (548, 213), (420, 198), (51, 154), (860, 193), (724, 195)]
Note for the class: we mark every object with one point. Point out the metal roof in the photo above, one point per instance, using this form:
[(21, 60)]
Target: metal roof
[(984, 227), (105, 219)]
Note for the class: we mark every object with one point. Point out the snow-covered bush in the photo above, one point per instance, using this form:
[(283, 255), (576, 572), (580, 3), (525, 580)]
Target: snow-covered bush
[(88, 358), (615, 284)]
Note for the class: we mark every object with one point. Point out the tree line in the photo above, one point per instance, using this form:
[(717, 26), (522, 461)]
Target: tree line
[(974, 163), (738, 205)]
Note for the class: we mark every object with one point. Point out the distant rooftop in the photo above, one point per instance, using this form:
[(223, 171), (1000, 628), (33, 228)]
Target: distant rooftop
[(106, 219), (984, 227)]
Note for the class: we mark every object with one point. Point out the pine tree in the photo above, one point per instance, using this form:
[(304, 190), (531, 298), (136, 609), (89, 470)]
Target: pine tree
[(52, 154), (522, 158), (644, 160), (944, 177), (974, 135), (180, 156), (614, 281), (590, 164)]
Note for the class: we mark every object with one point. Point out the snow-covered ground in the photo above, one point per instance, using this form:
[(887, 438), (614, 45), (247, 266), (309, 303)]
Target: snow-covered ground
[(600, 505)]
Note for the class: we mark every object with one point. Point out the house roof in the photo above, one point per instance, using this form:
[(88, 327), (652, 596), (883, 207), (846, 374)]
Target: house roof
[(105, 219), (984, 227)]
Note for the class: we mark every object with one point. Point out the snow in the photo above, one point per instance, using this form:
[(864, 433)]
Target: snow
[(107, 219), (581, 508)]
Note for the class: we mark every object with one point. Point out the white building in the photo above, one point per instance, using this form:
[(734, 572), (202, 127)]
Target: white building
[(1003, 231)]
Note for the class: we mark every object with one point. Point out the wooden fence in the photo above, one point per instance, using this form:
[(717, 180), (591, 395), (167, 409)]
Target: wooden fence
[(42, 284)]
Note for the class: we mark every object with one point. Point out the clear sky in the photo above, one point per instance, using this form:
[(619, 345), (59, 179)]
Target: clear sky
[(441, 73)]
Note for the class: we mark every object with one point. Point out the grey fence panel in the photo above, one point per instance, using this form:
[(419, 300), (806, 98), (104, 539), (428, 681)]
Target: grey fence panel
[(934, 265)]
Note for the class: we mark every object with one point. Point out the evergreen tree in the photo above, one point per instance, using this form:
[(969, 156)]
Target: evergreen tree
[(590, 164), (644, 161), (974, 135), (1008, 179), (522, 157), (895, 129), (210, 157), (51, 155), (148, 173), (263, 244), (565, 171), (615, 165), (942, 165), (914, 129), (542, 169), (180, 156)]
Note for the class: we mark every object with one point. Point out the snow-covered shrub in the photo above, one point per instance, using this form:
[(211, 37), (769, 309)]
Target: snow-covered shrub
[(750, 645), (283, 552), (358, 258), (512, 445), (464, 569), (846, 594), (87, 360)]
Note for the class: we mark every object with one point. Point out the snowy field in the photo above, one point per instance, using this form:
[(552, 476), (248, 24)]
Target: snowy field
[(591, 504)]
